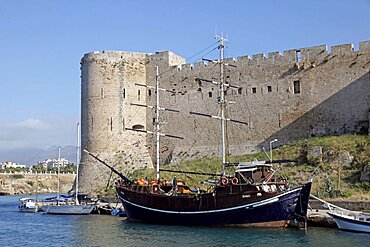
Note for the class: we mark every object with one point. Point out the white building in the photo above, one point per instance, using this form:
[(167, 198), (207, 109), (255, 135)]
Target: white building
[(53, 163), (10, 164)]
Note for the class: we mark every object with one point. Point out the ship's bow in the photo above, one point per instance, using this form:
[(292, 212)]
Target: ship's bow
[(299, 217)]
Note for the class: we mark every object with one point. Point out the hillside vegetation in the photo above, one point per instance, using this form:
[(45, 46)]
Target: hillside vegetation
[(335, 163)]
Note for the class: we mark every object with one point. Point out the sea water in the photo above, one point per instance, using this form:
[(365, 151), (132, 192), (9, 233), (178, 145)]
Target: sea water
[(38, 229)]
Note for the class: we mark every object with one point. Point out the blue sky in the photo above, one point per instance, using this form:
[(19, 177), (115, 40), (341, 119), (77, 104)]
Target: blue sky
[(42, 42)]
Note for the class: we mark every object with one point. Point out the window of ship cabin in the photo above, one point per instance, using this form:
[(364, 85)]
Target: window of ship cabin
[(297, 87)]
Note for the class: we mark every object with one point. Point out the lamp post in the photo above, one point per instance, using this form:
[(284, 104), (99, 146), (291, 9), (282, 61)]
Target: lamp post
[(275, 140)]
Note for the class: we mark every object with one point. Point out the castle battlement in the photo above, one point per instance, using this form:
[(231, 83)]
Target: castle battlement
[(314, 54)]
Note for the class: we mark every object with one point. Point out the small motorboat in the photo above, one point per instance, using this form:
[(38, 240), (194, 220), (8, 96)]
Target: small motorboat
[(345, 219), (350, 220), (28, 205)]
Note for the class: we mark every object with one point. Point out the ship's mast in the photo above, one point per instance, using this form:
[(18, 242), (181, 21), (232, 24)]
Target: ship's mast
[(77, 162), (58, 186), (223, 85), (157, 121), (222, 103)]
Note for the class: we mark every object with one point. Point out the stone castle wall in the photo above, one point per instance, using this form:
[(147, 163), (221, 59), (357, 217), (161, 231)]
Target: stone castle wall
[(302, 93)]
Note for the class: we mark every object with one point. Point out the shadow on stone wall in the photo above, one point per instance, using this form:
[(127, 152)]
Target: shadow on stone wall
[(347, 111)]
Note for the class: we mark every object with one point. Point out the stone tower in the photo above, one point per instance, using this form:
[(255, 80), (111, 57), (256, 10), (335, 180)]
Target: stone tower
[(107, 91)]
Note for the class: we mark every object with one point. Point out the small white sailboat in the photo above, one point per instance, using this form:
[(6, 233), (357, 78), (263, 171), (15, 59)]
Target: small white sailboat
[(28, 205), (65, 206), (67, 209)]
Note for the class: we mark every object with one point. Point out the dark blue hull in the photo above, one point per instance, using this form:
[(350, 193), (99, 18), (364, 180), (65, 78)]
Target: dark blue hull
[(274, 211)]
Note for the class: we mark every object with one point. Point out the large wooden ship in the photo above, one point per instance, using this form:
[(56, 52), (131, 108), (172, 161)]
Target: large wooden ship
[(250, 195)]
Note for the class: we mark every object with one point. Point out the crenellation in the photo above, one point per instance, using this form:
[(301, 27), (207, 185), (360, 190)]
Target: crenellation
[(187, 68), (274, 57), (242, 61), (364, 47), (314, 53), (290, 56), (231, 61), (199, 66), (174, 69), (258, 59), (347, 49)]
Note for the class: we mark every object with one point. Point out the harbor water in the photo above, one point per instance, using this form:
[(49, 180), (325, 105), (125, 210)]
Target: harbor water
[(38, 229)]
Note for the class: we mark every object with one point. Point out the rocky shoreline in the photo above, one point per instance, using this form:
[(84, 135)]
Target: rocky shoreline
[(18, 184)]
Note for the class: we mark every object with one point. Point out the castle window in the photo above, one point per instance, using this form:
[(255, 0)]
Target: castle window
[(111, 124), (297, 87), (298, 56), (124, 93), (149, 92), (240, 90), (138, 127), (210, 94), (254, 90), (269, 89), (102, 93), (138, 95)]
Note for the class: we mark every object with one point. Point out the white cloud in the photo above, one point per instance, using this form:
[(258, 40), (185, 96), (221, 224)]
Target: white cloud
[(35, 133), (30, 123)]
